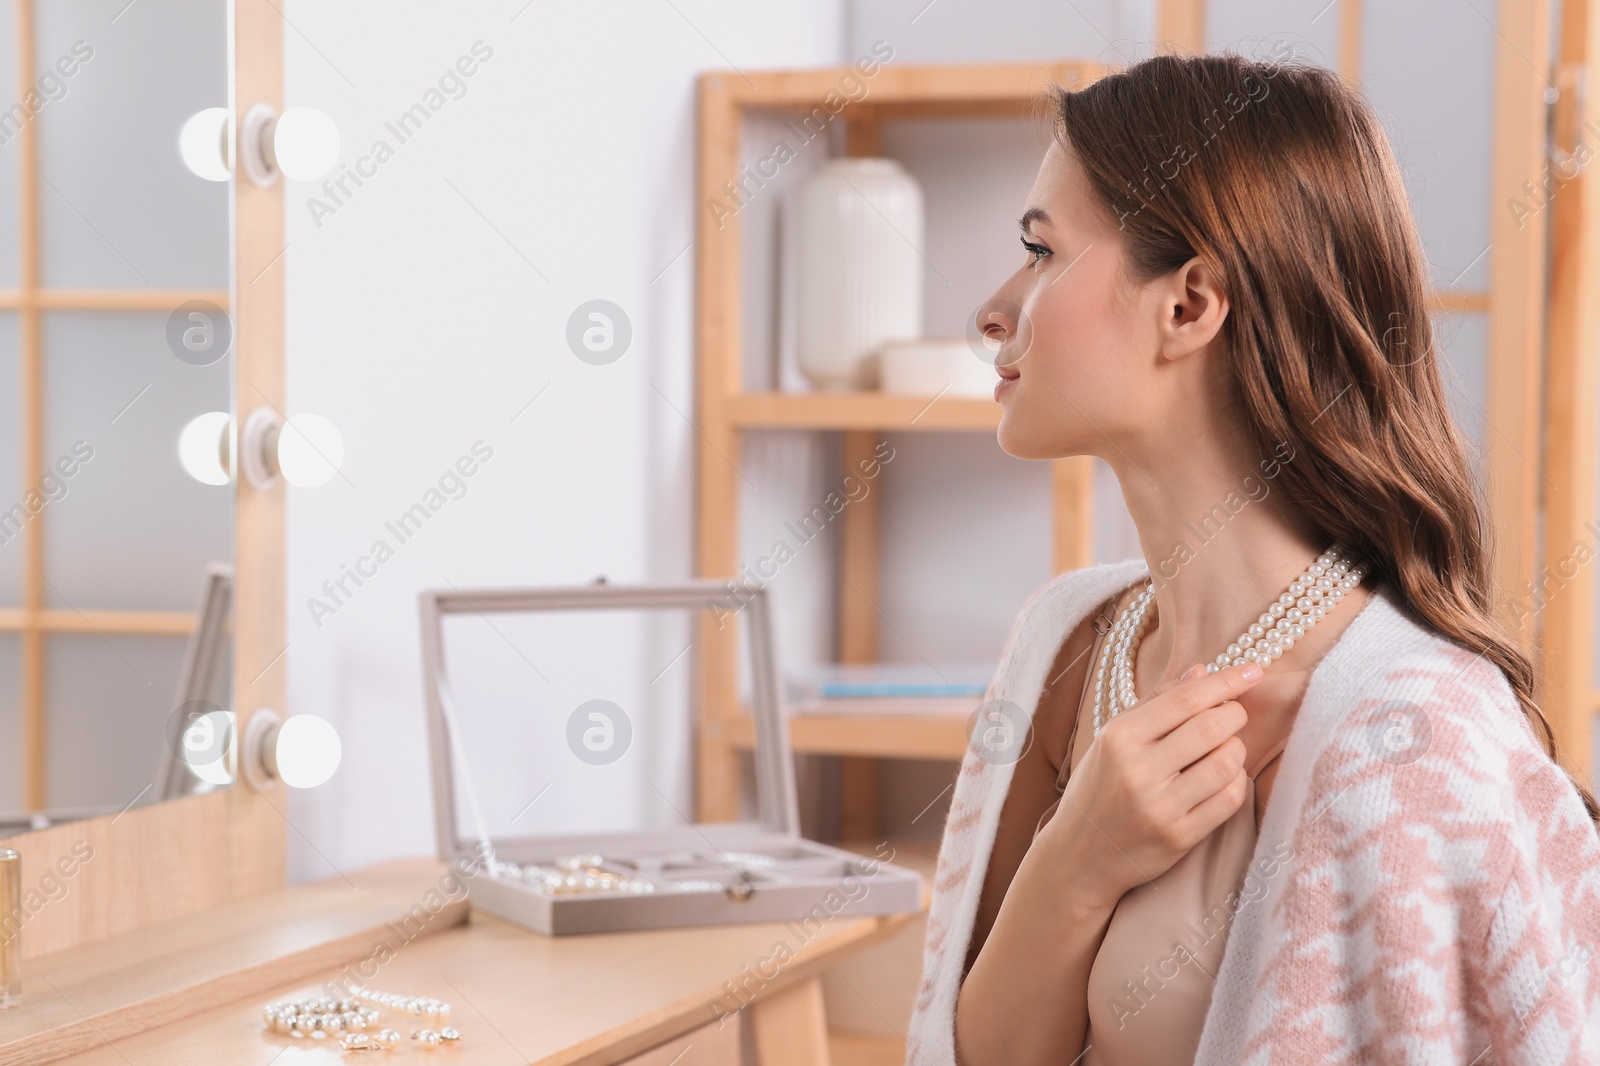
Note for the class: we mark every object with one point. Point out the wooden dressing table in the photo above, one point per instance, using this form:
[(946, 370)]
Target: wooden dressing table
[(645, 998)]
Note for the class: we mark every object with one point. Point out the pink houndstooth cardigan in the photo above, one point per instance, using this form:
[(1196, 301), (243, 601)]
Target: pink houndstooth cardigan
[(1440, 899)]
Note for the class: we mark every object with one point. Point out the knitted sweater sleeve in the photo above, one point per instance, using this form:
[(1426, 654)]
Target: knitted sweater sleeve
[(1539, 968), (1443, 903)]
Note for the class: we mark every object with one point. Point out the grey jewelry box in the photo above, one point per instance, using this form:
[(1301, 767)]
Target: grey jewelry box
[(697, 874)]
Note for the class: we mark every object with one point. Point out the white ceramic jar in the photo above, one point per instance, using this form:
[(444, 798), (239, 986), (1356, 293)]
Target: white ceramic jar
[(859, 277)]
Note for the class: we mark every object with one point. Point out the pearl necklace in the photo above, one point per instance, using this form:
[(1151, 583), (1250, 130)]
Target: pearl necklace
[(323, 1016), (1317, 590)]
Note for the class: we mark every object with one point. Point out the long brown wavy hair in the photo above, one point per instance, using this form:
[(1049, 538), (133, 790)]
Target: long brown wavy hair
[(1281, 177)]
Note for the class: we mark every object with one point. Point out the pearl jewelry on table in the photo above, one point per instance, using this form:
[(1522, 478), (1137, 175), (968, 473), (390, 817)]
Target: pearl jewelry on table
[(318, 1016), (1309, 598), (579, 862), (429, 1039), (749, 858), (354, 1016), (383, 1040), (573, 875), (416, 1007)]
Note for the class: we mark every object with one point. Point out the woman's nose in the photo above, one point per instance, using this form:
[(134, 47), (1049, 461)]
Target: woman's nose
[(1001, 332)]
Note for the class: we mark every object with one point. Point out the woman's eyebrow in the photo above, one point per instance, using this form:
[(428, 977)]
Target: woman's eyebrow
[(1032, 215)]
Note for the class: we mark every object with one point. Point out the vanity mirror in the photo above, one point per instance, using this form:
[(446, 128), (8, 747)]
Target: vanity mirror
[(116, 345), (142, 624)]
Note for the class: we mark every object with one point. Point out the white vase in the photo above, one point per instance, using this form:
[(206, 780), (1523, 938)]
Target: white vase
[(859, 276)]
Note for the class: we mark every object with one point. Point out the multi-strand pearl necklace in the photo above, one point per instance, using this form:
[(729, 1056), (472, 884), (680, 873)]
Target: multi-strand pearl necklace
[(1317, 590)]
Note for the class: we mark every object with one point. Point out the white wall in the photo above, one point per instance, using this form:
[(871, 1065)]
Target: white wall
[(430, 308)]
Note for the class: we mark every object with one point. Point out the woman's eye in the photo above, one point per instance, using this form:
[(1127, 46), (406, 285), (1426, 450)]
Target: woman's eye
[(1038, 251)]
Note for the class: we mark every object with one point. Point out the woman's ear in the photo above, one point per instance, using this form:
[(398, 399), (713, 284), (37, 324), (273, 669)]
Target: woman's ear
[(1193, 308)]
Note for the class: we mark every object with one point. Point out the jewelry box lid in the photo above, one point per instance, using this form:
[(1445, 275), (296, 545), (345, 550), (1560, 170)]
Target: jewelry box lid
[(570, 713)]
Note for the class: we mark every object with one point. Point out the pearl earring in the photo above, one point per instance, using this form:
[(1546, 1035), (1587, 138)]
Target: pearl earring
[(384, 1040), (430, 1039)]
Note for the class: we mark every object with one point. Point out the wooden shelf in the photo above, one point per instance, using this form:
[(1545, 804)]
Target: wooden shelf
[(862, 410), (903, 91), (895, 736)]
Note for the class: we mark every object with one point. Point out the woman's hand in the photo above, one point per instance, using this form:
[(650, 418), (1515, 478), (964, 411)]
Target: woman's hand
[(1154, 783)]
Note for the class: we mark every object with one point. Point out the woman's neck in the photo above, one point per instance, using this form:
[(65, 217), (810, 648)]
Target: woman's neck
[(1208, 593)]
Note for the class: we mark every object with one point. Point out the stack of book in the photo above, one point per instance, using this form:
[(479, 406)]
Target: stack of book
[(888, 688)]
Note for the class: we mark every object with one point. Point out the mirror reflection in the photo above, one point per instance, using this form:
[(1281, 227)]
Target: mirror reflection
[(115, 389)]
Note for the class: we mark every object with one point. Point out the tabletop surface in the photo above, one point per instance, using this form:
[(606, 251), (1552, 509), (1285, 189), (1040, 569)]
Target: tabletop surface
[(521, 997)]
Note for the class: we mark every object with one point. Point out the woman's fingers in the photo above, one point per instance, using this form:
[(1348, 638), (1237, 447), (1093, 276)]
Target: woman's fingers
[(1216, 808), (1198, 737), (1161, 714), (1157, 778), (1209, 774)]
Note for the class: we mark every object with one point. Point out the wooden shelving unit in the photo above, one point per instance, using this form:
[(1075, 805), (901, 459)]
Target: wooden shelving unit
[(726, 412)]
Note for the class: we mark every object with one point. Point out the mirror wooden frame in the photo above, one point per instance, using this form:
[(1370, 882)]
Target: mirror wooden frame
[(167, 860)]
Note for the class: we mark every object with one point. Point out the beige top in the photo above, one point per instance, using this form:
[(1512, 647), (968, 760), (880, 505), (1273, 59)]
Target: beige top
[(1151, 980)]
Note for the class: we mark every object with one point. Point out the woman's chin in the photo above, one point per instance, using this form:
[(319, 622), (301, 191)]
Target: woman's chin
[(1020, 440), (1017, 441)]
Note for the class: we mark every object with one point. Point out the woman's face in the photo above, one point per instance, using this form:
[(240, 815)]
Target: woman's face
[(1078, 347)]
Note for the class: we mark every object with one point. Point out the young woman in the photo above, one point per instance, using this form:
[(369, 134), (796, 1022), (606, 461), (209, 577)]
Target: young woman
[(1282, 794)]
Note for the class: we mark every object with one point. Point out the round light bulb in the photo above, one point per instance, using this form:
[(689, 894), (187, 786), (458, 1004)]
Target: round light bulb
[(310, 450), (201, 448), (201, 740), (305, 143), (307, 751), (203, 143)]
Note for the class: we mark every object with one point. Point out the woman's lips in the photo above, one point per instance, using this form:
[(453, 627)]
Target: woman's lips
[(1007, 376)]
